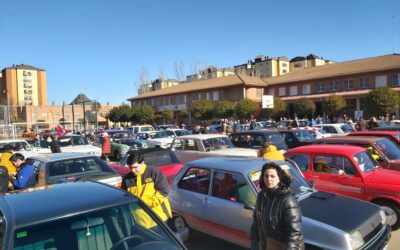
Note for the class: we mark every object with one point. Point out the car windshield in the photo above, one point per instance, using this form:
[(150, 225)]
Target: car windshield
[(304, 135), (127, 226), (145, 129), (388, 148), (158, 134), (347, 128), (217, 143), (72, 140), (15, 146), (275, 138), (299, 184), (365, 162), (181, 132), (169, 132)]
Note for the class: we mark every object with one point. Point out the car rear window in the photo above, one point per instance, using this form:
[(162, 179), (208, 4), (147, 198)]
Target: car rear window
[(275, 138)]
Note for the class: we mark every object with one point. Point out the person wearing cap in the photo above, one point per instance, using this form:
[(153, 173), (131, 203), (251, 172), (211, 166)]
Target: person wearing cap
[(105, 146), (149, 184), (277, 215), (25, 177)]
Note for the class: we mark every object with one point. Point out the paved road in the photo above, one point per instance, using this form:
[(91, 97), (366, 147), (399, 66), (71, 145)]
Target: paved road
[(199, 241)]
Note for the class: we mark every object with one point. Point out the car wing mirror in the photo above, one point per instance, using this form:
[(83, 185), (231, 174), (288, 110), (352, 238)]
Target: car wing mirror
[(249, 207)]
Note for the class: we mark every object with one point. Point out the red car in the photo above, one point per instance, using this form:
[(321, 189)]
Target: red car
[(163, 159), (392, 135), (351, 171)]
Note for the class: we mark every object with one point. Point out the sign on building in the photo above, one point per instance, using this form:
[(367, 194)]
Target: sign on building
[(358, 114), (267, 102)]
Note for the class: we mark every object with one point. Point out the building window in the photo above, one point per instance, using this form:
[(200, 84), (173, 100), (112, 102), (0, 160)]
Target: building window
[(56, 115), (363, 103), (259, 93), (156, 102), (293, 90), (351, 104), (271, 91), (44, 114), (364, 82), (282, 91), (396, 80), (320, 87), (306, 89), (348, 84), (334, 85), (215, 96)]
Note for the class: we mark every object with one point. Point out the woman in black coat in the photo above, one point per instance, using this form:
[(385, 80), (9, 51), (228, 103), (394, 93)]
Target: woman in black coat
[(277, 217), (54, 145)]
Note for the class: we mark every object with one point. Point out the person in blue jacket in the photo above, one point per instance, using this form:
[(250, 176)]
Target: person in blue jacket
[(25, 177)]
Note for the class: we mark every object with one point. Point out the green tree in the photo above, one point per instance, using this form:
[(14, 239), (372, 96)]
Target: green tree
[(245, 107), (304, 107), (167, 115), (333, 105), (114, 114), (224, 109), (382, 100), (183, 114), (125, 113), (202, 109), (278, 110), (144, 113)]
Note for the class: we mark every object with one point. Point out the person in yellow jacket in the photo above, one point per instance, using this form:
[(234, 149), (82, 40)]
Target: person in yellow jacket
[(150, 185), (272, 153), (5, 161)]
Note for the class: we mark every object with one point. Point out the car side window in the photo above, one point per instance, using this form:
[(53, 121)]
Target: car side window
[(232, 187), (190, 144), (302, 161), (289, 137), (196, 180), (322, 164), (258, 141), (244, 141), (178, 144)]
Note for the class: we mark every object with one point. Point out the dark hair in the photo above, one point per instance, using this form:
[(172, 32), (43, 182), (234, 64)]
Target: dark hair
[(135, 157), (17, 156), (285, 178)]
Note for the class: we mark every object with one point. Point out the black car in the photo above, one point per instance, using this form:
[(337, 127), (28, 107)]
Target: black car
[(256, 138), (83, 215), (296, 138)]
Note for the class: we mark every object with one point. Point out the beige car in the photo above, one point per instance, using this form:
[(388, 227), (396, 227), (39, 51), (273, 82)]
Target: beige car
[(192, 147)]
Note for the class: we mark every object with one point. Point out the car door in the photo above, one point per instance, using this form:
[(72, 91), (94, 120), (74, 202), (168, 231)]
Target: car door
[(190, 196), (337, 174), (231, 197)]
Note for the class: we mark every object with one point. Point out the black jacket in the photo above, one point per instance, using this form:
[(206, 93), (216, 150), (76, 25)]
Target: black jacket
[(277, 215), (55, 146)]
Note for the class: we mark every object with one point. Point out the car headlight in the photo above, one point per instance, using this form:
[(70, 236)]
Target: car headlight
[(383, 216), (356, 240)]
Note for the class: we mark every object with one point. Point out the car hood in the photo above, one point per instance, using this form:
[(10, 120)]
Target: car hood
[(383, 176), (235, 151), (342, 212)]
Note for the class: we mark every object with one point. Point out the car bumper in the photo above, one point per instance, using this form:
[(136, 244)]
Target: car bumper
[(380, 240)]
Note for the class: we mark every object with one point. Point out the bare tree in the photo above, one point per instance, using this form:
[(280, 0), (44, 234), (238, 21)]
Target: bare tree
[(180, 71), (161, 73), (143, 78)]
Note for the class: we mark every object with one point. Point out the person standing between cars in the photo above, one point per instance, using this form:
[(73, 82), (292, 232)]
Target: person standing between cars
[(361, 125), (271, 152), (25, 177), (105, 146), (53, 143), (277, 215), (373, 123), (149, 184)]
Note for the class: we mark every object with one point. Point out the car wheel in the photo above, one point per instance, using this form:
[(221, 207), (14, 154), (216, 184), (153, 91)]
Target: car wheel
[(392, 211), (117, 155), (178, 222)]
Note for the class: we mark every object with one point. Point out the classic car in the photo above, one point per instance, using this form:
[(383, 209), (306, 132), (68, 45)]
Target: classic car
[(392, 135), (71, 143), (296, 138), (68, 167), (155, 139), (164, 159), (174, 132), (336, 129), (140, 128), (217, 196), (256, 138), (351, 171), (386, 152), (83, 215), (192, 147), (18, 146)]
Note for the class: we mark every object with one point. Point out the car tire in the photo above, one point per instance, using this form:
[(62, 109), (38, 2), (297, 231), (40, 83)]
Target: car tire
[(117, 155), (178, 222), (392, 211)]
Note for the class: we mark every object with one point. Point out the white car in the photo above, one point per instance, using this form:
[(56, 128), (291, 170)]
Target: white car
[(317, 132), (18, 146), (336, 129), (174, 132), (73, 144), (140, 128), (192, 147), (156, 139)]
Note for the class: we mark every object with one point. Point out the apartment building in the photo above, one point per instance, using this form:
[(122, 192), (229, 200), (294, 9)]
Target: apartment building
[(311, 60), (210, 72), (352, 79), (23, 85), (263, 66)]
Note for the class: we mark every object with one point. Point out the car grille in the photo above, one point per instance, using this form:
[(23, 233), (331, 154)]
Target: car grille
[(378, 238)]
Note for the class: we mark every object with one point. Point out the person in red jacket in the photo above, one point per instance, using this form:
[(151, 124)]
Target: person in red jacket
[(105, 146)]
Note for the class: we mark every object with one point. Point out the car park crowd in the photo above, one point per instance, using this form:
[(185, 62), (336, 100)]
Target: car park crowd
[(213, 178)]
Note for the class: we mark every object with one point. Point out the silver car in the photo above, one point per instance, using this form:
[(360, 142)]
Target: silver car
[(217, 196)]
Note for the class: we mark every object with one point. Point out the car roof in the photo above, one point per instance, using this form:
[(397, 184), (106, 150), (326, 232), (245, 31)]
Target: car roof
[(359, 139), (201, 136), (55, 201), (258, 131), (242, 165), (327, 149), (59, 156), (15, 140), (375, 132)]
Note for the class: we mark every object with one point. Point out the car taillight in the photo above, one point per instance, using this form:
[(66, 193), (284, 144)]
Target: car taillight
[(119, 185)]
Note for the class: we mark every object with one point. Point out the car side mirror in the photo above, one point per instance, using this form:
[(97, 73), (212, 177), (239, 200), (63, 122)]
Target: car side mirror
[(249, 207)]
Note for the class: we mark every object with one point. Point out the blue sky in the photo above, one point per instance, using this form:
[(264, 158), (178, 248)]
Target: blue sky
[(100, 47)]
